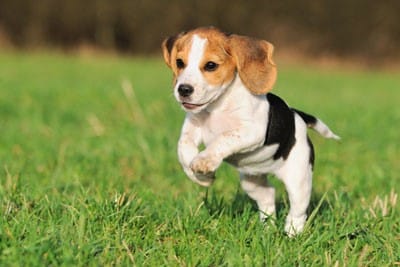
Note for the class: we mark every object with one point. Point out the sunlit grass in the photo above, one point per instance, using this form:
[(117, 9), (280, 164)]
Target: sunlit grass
[(89, 173)]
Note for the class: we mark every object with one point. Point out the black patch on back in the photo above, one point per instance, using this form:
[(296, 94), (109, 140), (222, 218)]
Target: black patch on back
[(309, 119), (280, 128)]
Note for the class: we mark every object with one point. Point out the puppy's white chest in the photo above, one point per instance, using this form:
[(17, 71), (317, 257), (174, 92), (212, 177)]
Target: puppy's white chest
[(217, 125)]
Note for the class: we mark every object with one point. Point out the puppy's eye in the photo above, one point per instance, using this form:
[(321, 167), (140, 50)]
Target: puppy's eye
[(210, 66), (180, 64)]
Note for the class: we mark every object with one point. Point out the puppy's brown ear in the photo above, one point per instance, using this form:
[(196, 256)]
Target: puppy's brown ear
[(254, 63), (167, 46)]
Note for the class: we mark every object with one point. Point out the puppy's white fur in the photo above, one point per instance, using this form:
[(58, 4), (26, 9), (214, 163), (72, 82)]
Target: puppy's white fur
[(232, 122)]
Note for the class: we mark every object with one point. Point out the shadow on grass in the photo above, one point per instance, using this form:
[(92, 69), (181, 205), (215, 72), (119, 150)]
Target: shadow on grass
[(218, 206), (241, 205)]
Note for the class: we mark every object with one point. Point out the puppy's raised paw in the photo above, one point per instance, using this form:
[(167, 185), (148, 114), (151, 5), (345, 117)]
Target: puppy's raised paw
[(205, 165)]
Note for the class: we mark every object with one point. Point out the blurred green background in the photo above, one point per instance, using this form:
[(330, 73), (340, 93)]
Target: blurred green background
[(364, 30)]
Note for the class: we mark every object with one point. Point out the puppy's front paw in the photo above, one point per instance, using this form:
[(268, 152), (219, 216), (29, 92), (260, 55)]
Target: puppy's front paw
[(201, 179), (205, 165)]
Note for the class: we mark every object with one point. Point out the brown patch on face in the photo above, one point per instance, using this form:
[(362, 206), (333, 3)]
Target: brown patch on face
[(216, 51), (174, 48), (252, 58), (178, 47)]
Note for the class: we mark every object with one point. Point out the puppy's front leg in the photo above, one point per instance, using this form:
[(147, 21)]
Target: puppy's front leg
[(228, 143), (188, 149)]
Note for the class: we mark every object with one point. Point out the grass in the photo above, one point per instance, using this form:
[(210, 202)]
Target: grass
[(89, 174)]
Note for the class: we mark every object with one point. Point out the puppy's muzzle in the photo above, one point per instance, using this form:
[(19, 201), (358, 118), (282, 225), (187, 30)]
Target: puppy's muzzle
[(185, 90)]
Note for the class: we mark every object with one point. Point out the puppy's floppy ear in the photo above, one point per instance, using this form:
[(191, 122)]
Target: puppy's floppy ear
[(167, 46), (254, 63)]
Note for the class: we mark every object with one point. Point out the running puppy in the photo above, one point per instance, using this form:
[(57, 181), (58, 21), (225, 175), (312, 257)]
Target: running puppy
[(222, 82)]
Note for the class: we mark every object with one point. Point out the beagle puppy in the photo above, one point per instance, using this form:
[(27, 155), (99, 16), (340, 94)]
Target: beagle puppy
[(222, 82)]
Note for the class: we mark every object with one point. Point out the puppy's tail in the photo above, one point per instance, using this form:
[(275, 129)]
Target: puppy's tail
[(317, 125)]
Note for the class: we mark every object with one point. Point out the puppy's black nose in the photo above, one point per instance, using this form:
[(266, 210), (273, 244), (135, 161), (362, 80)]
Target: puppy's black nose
[(185, 90)]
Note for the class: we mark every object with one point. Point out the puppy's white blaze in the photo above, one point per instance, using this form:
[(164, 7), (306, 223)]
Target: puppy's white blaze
[(196, 51), (192, 73)]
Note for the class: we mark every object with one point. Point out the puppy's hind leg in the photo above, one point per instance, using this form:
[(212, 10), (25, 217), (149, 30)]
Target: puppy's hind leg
[(297, 178), (257, 188)]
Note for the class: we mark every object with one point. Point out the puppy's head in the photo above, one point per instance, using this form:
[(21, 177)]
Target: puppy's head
[(205, 62)]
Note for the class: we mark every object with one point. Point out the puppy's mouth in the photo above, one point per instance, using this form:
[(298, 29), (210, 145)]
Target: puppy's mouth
[(191, 106), (194, 106)]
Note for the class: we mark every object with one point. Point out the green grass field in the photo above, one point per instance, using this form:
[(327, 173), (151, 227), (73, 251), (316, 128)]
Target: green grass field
[(90, 177)]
